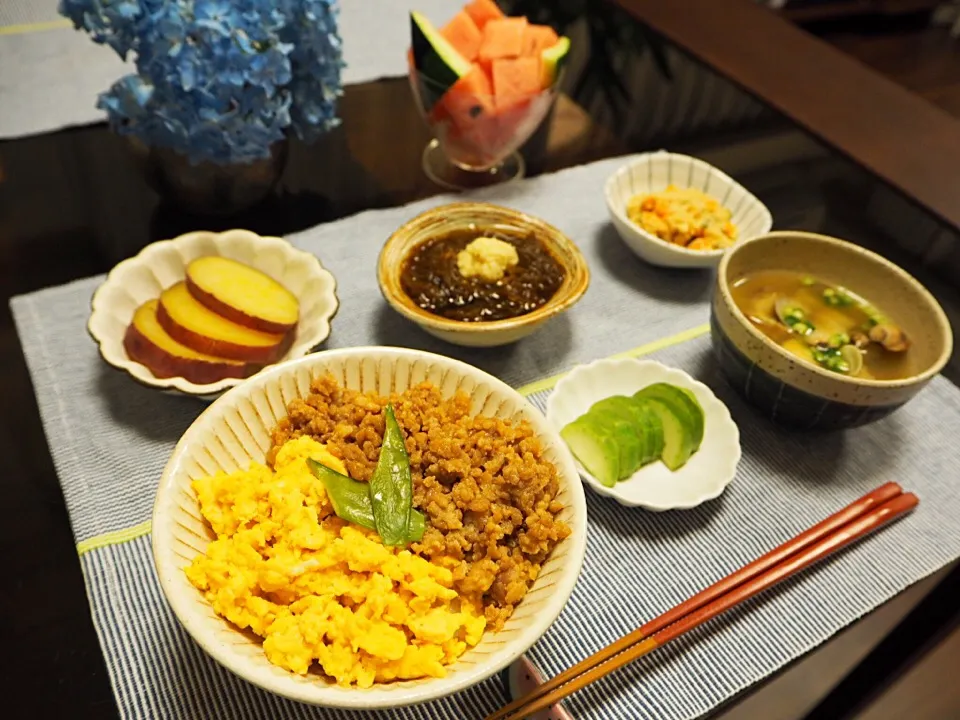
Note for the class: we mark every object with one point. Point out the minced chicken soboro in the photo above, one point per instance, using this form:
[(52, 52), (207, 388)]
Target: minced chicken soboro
[(487, 491)]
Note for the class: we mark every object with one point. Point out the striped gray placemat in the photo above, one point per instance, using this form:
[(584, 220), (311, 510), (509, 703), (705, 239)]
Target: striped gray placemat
[(51, 74), (110, 437), (30, 13), (97, 418), (637, 565)]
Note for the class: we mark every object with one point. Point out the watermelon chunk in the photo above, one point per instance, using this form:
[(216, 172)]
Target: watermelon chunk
[(502, 39), (480, 80), (438, 65), (554, 58), (509, 121), (472, 133), (462, 32), (470, 99), (491, 135), (516, 80), (483, 11), (536, 39)]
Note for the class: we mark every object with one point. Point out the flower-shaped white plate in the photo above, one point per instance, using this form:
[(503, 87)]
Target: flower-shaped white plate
[(654, 487), (162, 264), (653, 172)]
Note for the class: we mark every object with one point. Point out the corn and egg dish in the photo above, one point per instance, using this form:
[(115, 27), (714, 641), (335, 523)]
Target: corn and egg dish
[(318, 589), (684, 216)]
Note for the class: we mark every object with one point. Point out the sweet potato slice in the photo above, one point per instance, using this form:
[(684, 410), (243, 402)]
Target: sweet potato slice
[(150, 345), (198, 327), (242, 294)]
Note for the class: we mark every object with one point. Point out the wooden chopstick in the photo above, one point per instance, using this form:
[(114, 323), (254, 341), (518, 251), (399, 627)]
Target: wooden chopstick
[(852, 511), (849, 533), (860, 517)]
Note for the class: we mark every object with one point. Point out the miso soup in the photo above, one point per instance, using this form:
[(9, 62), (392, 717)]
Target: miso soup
[(824, 324)]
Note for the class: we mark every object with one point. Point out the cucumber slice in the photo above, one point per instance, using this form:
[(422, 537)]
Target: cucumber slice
[(620, 405), (620, 434), (652, 432), (682, 398), (697, 410), (595, 450), (646, 425), (624, 433), (677, 433)]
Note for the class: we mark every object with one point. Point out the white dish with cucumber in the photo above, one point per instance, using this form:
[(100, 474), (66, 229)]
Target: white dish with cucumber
[(645, 434)]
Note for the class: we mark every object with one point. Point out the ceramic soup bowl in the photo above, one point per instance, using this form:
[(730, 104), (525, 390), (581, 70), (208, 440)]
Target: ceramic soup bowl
[(798, 393)]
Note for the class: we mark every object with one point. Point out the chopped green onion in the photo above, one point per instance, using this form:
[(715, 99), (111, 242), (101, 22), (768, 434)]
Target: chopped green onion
[(839, 340), (794, 317), (831, 359), (837, 297), (874, 316)]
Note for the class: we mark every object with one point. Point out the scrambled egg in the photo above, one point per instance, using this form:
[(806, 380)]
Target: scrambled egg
[(687, 217), (319, 589), (487, 258)]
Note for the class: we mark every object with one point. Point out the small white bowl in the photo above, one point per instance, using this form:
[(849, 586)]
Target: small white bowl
[(653, 172), (654, 487), (162, 264), (235, 431)]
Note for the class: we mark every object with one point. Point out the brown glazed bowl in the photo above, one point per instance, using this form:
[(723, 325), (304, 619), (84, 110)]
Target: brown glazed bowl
[(800, 394), (443, 219)]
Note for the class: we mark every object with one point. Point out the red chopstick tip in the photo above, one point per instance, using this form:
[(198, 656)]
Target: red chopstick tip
[(908, 500), (897, 506)]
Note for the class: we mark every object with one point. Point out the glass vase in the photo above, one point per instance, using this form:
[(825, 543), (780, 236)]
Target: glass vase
[(208, 188)]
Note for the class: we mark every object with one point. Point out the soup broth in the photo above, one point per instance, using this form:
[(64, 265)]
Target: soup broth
[(824, 324)]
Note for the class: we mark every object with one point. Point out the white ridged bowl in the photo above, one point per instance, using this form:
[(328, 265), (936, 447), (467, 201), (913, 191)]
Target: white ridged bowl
[(162, 264), (653, 172), (654, 487), (235, 431)]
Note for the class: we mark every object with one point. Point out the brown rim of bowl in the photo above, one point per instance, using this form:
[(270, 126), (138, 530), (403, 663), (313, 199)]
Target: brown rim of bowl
[(575, 282), (938, 312)]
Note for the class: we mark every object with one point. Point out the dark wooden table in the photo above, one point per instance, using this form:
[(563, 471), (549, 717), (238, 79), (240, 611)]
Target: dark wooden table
[(72, 204)]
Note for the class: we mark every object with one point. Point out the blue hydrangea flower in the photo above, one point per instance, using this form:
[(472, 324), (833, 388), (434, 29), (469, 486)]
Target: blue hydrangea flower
[(219, 80)]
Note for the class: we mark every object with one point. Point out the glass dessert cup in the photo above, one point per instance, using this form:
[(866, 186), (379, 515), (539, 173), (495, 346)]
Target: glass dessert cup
[(476, 135)]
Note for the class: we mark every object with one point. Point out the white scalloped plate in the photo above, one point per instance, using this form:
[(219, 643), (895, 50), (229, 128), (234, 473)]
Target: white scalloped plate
[(235, 431), (162, 264), (653, 487)]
